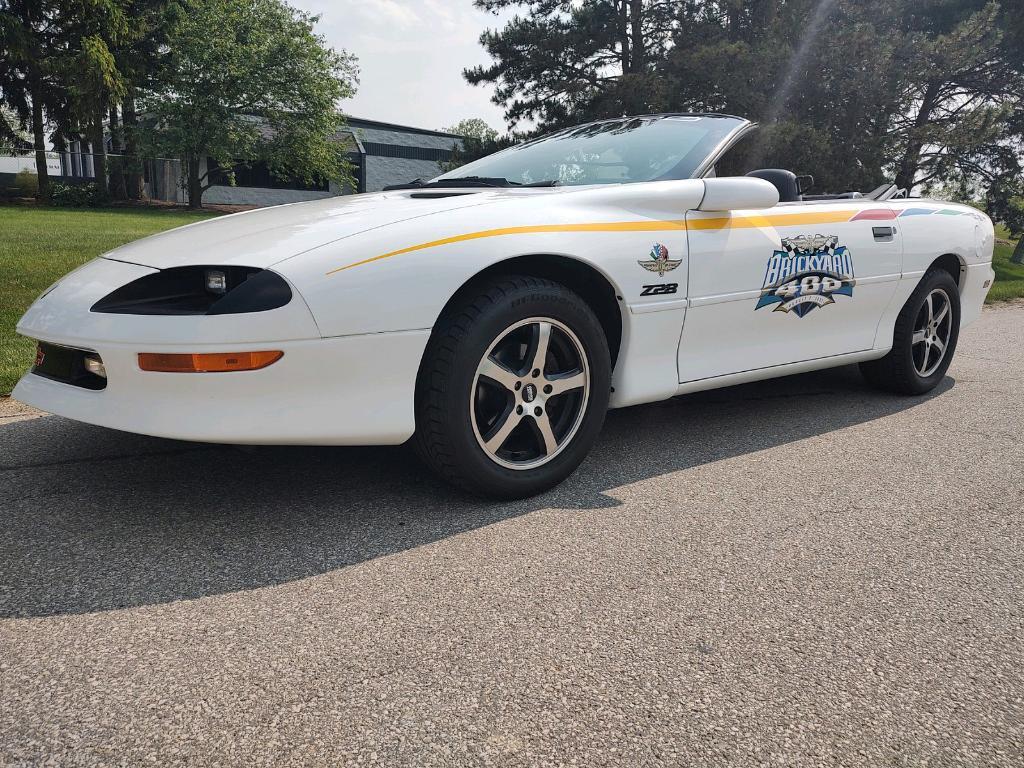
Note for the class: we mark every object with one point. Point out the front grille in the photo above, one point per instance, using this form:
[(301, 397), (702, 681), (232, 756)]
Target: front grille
[(66, 365)]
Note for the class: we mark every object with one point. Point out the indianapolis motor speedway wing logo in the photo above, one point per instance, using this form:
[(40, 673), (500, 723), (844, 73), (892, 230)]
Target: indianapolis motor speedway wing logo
[(659, 261), (807, 273)]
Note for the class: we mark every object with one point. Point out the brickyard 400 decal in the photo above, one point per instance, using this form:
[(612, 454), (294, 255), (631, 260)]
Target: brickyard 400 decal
[(807, 273)]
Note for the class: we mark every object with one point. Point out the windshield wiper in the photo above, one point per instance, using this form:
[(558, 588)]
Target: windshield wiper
[(458, 181), (470, 181)]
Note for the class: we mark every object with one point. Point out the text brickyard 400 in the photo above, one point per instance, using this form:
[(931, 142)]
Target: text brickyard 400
[(806, 274)]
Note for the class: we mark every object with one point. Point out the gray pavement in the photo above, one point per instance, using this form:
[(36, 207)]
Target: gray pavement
[(799, 572)]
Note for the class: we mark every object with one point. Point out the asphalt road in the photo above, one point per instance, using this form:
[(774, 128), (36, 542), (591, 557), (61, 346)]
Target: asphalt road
[(800, 572)]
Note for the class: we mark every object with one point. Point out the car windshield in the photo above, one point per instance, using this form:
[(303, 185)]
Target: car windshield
[(611, 152)]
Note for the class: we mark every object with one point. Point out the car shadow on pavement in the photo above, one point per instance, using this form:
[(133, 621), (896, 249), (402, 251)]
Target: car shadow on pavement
[(95, 520)]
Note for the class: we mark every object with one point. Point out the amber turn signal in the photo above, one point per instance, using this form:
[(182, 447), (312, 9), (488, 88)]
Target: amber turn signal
[(218, 362)]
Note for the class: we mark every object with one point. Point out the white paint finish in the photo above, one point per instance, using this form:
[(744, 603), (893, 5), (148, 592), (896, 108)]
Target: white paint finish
[(777, 371), (390, 293), (63, 316), (646, 371), (738, 194), (969, 235), (357, 385), (726, 333), (973, 290), (322, 392), (667, 305), (263, 237)]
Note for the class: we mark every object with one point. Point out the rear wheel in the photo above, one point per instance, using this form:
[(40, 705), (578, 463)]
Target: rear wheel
[(513, 389), (924, 339)]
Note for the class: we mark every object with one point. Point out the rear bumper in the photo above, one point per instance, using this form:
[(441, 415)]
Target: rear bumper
[(351, 390)]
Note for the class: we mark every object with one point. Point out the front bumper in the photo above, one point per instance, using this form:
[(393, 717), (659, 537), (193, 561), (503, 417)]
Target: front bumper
[(351, 390), (346, 390)]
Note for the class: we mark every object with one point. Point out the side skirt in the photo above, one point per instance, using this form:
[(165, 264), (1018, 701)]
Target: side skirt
[(775, 371)]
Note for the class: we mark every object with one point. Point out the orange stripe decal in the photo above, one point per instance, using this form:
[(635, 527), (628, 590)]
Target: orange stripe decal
[(610, 226), (744, 221)]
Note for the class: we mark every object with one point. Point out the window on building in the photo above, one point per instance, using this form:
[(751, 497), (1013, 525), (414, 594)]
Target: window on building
[(259, 175)]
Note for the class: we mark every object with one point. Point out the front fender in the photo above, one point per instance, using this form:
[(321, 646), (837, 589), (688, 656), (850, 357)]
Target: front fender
[(400, 277)]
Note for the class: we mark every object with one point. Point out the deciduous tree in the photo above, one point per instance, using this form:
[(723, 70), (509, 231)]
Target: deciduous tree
[(478, 140), (247, 81)]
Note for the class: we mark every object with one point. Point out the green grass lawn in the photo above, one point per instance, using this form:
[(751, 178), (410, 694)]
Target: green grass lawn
[(1009, 282), (39, 245)]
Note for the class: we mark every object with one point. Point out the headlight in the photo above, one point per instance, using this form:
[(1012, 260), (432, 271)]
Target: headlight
[(201, 290)]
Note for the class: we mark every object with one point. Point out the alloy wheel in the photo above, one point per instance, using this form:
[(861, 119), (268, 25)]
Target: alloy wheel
[(932, 330), (530, 393)]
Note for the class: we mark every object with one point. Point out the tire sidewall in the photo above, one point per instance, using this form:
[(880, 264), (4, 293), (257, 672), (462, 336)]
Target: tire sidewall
[(932, 280), (549, 301)]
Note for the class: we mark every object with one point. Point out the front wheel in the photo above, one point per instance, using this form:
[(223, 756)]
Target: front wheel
[(924, 338), (513, 389)]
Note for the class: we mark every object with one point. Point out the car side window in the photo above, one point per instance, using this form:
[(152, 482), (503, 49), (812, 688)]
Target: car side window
[(736, 161)]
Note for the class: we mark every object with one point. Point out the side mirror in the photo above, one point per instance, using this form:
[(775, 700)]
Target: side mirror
[(738, 194)]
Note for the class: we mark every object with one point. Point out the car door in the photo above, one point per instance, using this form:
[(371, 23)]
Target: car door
[(785, 285)]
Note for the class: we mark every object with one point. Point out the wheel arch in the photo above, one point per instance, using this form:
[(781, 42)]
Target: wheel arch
[(592, 285), (951, 263)]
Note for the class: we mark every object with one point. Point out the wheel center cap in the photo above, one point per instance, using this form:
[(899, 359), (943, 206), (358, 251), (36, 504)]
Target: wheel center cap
[(529, 393)]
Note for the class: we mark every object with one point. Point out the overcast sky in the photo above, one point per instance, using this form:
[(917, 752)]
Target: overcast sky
[(411, 55)]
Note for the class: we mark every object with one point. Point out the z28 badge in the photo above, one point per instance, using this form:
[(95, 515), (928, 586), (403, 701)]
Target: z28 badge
[(806, 274), (659, 261)]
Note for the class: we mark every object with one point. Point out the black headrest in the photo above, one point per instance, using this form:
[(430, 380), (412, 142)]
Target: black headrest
[(784, 181)]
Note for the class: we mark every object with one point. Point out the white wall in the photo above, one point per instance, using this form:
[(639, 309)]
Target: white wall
[(18, 163)]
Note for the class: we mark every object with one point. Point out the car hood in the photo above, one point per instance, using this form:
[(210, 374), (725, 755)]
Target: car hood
[(267, 236)]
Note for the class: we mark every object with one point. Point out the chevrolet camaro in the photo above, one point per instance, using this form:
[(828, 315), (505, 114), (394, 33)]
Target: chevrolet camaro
[(493, 315)]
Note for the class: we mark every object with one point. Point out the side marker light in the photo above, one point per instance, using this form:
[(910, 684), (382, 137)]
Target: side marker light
[(218, 362)]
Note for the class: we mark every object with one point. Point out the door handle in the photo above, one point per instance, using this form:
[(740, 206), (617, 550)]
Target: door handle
[(883, 234)]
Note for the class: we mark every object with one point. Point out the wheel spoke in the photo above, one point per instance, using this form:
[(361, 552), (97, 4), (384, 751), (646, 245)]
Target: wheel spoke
[(567, 382), (942, 313), (497, 372), (546, 433), (919, 336), (924, 360), (505, 393), (931, 308), (939, 345), (498, 437), (541, 339)]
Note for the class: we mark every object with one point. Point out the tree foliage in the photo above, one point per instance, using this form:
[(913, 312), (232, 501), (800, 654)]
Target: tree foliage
[(248, 76), (567, 61), (248, 81), (855, 92), (478, 140)]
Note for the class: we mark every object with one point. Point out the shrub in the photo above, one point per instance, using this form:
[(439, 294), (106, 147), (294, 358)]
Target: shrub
[(77, 195), (26, 184)]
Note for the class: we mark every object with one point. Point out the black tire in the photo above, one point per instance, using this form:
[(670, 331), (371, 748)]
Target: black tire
[(899, 370), (446, 431)]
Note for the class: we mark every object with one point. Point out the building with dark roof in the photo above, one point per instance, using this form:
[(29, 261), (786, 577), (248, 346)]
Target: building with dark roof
[(381, 154)]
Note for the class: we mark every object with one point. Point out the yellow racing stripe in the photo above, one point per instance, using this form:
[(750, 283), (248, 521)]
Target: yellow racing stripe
[(720, 222), (752, 220)]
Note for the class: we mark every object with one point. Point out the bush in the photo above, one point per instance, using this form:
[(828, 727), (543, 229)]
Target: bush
[(26, 184), (77, 195)]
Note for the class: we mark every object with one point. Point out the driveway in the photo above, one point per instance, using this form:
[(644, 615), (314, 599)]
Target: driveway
[(797, 572)]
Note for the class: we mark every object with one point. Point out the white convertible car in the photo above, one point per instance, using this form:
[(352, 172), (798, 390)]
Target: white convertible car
[(494, 314)]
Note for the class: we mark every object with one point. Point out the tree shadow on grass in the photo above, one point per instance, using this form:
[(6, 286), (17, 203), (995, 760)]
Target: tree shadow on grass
[(94, 519)]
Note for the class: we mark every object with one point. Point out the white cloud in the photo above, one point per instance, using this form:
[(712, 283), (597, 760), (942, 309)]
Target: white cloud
[(411, 56)]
